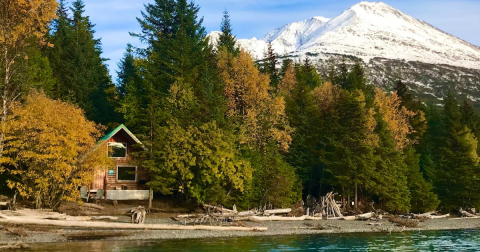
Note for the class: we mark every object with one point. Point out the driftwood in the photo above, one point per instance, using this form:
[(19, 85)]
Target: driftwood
[(246, 213), (335, 218), (439, 216), (18, 245), (187, 216), (467, 214), (115, 225), (48, 214), (365, 216), (430, 215), (424, 215), (138, 215), (3, 203), (104, 218), (374, 224), (278, 211), (276, 218), (329, 206), (220, 209), (312, 218), (348, 218)]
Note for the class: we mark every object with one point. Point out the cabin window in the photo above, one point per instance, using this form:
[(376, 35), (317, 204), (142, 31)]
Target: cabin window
[(117, 150), (126, 173)]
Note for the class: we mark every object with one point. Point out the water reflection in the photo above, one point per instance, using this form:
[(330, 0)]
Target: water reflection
[(462, 240)]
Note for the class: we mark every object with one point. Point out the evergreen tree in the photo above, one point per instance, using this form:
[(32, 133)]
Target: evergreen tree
[(307, 74), (81, 73), (459, 171), (348, 149), (127, 71), (226, 38), (178, 93), (269, 65)]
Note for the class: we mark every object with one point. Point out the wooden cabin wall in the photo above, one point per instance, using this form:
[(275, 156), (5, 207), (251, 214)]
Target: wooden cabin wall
[(142, 175)]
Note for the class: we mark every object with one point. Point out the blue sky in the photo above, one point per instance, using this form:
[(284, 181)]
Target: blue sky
[(254, 18)]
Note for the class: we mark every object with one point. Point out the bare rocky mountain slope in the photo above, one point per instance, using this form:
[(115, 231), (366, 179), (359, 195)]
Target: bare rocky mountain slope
[(392, 44)]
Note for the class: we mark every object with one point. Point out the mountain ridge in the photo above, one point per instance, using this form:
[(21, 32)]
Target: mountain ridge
[(367, 30)]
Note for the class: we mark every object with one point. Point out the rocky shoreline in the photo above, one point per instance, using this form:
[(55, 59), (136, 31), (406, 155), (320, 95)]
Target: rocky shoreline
[(43, 234)]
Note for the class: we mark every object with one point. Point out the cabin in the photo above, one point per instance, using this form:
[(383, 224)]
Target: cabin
[(125, 180)]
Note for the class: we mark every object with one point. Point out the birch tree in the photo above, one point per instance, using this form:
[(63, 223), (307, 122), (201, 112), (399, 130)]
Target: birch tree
[(22, 22)]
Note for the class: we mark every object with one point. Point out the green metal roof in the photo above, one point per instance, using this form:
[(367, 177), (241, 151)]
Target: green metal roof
[(116, 130)]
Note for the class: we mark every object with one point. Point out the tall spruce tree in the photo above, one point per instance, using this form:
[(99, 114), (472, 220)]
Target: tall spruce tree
[(269, 65), (459, 171), (226, 38), (81, 73), (178, 93)]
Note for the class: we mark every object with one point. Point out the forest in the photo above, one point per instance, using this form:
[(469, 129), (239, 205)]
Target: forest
[(219, 126)]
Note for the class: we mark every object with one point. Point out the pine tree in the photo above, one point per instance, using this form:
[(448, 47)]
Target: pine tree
[(226, 38)]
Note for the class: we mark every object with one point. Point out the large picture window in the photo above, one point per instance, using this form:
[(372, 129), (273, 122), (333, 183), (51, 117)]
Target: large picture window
[(117, 150), (127, 173)]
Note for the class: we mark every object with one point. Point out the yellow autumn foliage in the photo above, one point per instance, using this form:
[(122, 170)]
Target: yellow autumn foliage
[(24, 19), (326, 95), (288, 82), (51, 149), (249, 98), (396, 117)]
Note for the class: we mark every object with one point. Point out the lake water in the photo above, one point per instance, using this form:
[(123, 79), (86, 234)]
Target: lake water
[(459, 240)]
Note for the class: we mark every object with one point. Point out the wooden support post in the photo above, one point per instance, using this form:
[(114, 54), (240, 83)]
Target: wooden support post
[(150, 198), (105, 180)]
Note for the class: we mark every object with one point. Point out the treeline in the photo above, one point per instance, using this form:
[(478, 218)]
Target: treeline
[(219, 127)]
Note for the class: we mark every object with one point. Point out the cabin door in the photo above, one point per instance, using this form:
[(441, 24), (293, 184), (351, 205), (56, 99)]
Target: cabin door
[(99, 179)]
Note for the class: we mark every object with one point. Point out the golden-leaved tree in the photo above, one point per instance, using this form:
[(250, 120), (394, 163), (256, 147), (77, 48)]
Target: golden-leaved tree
[(396, 117), (22, 23), (250, 98), (50, 150), (288, 82)]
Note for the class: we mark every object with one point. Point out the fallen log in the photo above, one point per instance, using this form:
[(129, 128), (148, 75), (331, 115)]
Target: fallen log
[(220, 209), (348, 218), (187, 216), (3, 203), (278, 211), (439, 216), (246, 213), (364, 216), (18, 245), (312, 218), (275, 218), (424, 215), (115, 225), (335, 218), (467, 214), (103, 218)]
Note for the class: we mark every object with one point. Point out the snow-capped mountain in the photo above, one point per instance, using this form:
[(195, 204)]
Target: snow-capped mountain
[(367, 30)]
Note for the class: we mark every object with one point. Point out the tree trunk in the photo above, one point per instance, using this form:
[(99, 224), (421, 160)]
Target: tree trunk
[(4, 109), (356, 196)]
